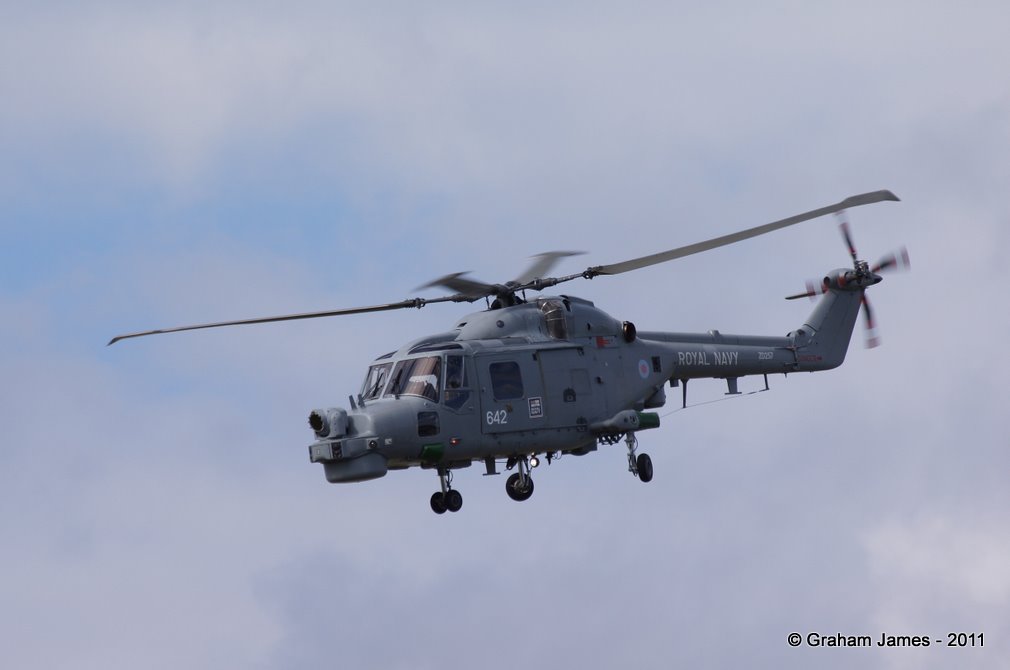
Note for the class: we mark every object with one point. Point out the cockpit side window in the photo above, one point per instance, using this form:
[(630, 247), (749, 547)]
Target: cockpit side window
[(554, 318), (456, 385), (417, 376), (375, 381)]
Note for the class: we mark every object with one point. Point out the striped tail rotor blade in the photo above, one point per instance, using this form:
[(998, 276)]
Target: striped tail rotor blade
[(898, 260), (844, 226), (872, 339), (813, 290)]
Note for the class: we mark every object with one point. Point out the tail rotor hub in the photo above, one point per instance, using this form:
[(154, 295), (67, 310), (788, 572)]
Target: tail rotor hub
[(862, 277)]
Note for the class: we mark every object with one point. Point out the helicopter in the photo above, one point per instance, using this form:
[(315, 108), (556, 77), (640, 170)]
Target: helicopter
[(531, 378)]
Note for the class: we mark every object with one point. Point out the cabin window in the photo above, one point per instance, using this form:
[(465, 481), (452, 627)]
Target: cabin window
[(417, 376), (506, 381), (456, 384), (375, 381)]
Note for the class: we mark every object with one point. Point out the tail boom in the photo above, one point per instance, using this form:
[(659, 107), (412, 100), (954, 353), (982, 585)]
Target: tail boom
[(819, 344)]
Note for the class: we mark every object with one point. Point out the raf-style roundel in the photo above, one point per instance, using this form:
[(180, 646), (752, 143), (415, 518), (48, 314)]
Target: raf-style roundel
[(643, 369)]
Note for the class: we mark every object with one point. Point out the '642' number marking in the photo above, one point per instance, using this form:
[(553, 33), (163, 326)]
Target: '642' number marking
[(498, 417)]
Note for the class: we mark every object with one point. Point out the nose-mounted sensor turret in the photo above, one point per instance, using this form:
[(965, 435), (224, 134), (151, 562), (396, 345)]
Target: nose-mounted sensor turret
[(330, 422)]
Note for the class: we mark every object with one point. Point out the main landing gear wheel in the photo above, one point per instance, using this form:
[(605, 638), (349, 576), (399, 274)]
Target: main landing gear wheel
[(515, 488), (448, 498), (644, 464), (451, 500)]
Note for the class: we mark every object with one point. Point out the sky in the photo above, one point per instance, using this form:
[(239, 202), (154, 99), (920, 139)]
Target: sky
[(173, 163)]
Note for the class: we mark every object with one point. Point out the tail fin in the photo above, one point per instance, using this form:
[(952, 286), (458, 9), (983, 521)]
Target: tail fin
[(824, 339)]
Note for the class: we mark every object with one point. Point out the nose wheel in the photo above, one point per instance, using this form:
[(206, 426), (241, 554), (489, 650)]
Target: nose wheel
[(448, 499)]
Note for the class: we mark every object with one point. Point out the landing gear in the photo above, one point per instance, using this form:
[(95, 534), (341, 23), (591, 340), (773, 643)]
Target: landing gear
[(640, 466), (519, 485), (448, 498)]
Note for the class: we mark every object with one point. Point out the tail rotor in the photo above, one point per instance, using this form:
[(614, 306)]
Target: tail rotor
[(861, 277)]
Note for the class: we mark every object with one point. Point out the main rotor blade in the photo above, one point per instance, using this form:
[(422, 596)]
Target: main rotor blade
[(414, 302), (680, 252), (542, 264), (462, 285)]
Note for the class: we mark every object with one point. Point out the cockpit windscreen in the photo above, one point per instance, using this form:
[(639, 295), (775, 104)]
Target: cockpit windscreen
[(417, 376)]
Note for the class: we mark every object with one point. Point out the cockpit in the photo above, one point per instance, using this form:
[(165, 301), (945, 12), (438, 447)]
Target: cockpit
[(422, 377)]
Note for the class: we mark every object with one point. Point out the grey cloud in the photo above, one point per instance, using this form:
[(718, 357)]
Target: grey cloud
[(157, 496)]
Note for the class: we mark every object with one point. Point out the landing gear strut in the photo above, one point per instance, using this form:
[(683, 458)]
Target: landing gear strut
[(519, 485), (447, 498), (640, 466)]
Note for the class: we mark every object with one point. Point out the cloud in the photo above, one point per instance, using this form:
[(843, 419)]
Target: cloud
[(491, 102), (961, 562), (188, 164)]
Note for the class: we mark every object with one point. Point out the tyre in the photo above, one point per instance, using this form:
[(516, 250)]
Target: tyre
[(644, 464), (453, 500), (438, 503), (517, 492)]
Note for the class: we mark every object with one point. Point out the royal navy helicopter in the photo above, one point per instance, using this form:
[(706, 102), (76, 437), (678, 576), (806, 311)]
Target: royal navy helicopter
[(540, 377)]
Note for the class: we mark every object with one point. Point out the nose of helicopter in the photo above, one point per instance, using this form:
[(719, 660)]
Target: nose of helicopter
[(346, 445)]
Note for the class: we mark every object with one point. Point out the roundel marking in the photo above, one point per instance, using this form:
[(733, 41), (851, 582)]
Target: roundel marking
[(643, 369)]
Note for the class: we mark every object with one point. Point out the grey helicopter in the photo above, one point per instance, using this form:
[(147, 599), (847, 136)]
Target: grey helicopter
[(553, 375)]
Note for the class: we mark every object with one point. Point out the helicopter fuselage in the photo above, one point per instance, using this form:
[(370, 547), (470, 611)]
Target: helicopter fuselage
[(555, 375)]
